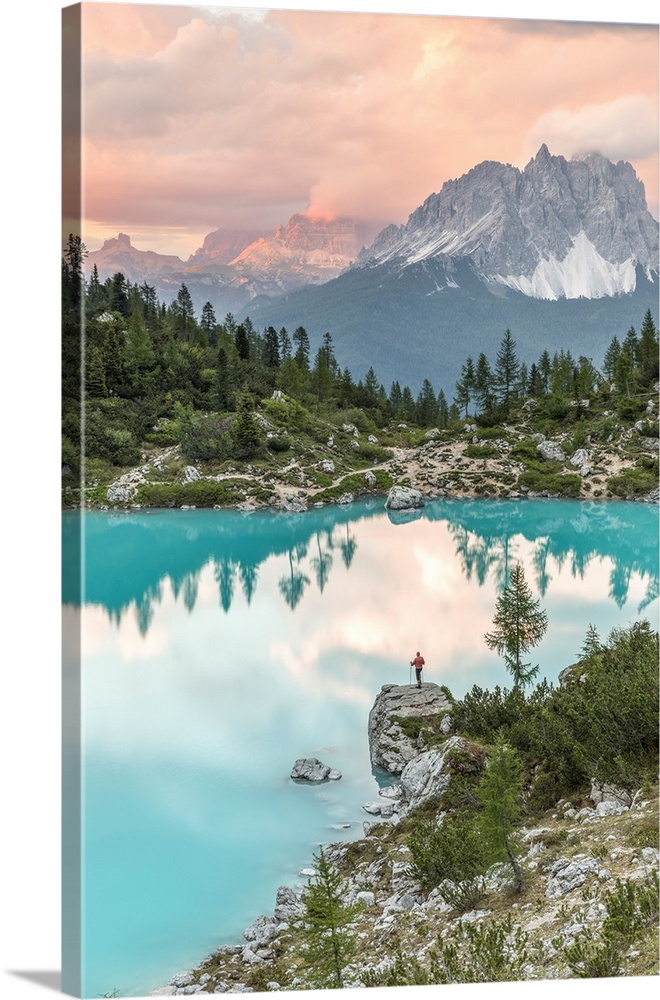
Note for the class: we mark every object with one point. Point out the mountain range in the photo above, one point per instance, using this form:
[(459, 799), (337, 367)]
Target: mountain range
[(564, 253)]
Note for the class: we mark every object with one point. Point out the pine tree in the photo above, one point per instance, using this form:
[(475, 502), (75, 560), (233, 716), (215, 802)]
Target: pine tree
[(246, 430), (534, 382), (371, 387), (427, 405), (500, 791), (443, 409), (223, 381), (395, 399), (484, 385), (118, 294), (331, 946), (285, 344), (519, 624), (186, 312), (465, 386), (611, 357), (648, 350), (591, 644), (95, 380), (322, 377), (139, 351), (271, 348), (242, 343), (407, 404), (507, 371), (301, 343), (545, 367), (208, 322)]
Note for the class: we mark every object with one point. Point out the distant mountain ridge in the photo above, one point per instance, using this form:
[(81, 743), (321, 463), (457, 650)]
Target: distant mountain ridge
[(232, 267), (558, 228), (564, 252)]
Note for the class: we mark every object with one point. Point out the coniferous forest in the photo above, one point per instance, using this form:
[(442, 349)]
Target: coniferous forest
[(157, 376)]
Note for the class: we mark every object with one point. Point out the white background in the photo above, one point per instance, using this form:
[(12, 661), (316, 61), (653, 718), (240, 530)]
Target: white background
[(29, 488)]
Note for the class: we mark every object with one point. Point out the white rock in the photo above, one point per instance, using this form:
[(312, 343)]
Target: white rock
[(570, 875), (403, 498), (191, 474), (551, 451), (373, 808)]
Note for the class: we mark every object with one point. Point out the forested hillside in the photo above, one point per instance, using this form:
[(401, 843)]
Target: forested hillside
[(158, 376)]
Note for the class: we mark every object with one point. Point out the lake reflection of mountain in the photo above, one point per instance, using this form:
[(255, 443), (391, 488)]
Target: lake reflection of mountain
[(129, 557)]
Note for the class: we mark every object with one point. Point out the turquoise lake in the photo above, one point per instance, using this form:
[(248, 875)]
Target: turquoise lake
[(217, 647)]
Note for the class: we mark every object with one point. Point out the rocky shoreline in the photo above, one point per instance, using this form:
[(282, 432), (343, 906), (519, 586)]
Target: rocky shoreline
[(466, 467), (570, 862)]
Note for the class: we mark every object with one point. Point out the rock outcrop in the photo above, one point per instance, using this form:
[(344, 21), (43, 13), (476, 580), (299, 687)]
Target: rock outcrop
[(392, 744), (427, 775)]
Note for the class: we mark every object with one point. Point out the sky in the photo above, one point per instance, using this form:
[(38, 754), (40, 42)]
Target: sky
[(196, 118), (29, 402)]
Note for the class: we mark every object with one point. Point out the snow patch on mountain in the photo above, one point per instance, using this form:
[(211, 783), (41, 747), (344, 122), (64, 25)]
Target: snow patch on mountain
[(583, 273), (559, 228)]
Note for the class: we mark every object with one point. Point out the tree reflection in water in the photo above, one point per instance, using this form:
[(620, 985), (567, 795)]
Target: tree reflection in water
[(129, 559)]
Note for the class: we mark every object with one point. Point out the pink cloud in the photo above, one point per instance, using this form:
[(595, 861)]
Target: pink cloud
[(197, 118)]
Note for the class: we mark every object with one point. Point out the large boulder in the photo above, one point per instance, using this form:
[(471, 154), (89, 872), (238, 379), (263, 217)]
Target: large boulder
[(403, 498), (313, 770), (565, 875), (393, 744), (288, 905), (551, 451), (427, 775)]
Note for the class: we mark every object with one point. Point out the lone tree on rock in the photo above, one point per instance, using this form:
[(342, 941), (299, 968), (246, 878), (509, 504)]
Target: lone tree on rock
[(519, 624)]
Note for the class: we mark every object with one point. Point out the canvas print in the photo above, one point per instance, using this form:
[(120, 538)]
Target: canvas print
[(360, 489)]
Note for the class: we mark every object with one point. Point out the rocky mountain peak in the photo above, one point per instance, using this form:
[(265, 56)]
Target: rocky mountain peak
[(559, 228)]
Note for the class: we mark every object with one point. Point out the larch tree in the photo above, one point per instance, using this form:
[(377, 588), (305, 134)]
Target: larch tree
[(331, 945), (518, 625), (500, 795)]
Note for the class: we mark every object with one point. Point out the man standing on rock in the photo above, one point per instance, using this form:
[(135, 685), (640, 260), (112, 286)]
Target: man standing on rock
[(418, 664)]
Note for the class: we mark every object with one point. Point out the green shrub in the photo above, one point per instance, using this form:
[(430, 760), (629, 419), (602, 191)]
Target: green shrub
[(287, 414), (650, 429), (635, 482), (630, 409), (644, 833), (371, 454), (539, 480), (493, 433), (632, 909), (527, 451), (605, 725), (120, 446), (482, 451), (201, 493), (356, 483), (449, 854), (206, 437), (556, 409), (494, 953), (280, 442)]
